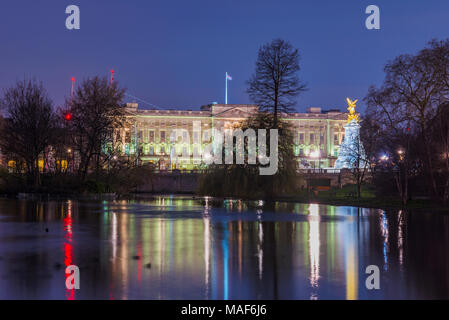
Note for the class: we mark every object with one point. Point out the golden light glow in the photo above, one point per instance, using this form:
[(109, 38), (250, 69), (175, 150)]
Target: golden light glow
[(351, 108), (314, 244), (351, 274), (40, 165)]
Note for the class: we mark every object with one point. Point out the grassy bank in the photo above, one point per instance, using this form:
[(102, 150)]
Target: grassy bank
[(347, 196), (117, 181)]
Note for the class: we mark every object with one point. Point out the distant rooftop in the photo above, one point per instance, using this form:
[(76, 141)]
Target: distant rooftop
[(220, 109)]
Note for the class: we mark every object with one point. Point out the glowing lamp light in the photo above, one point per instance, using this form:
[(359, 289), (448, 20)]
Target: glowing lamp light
[(314, 154), (68, 116), (207, 156)]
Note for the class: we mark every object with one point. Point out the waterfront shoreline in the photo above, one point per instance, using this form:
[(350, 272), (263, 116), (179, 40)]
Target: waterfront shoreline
[(371, 203)]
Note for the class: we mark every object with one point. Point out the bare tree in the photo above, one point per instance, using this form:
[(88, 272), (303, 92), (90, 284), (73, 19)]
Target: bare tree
[(29, 125), (438, 54), (439, 127), (413, 88), (275, 83), (397, 136), (96, 111)]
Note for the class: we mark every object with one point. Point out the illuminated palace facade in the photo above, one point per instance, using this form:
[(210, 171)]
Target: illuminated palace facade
[(318, 134)]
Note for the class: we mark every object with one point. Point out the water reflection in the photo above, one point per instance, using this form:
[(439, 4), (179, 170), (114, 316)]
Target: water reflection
[(185, 248), (314, 246), (68, 261)]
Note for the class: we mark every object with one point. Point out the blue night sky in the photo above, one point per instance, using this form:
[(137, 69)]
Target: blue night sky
[(174, 54)]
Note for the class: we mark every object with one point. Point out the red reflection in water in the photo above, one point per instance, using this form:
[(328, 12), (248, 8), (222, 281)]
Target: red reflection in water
[(70, 294)]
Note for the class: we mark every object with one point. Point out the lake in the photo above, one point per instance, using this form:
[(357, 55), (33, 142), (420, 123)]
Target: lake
[(180, 247)]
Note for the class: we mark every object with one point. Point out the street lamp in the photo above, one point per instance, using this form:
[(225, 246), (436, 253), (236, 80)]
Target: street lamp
[(401, 154), (315, 154)]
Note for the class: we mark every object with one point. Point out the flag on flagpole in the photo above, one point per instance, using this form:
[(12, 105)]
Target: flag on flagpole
[(228, 77)]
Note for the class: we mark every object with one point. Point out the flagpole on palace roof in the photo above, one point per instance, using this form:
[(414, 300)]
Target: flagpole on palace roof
[(226, 89)]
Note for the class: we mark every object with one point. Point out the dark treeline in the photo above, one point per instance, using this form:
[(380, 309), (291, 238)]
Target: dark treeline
[(409, 113), (73, 143)]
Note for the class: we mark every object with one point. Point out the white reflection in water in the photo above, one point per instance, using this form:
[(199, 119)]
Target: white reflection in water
[(384, 230), (114, 236), (401, 238), (124, 253), (206, 221), (314, 245), (260, 250), (161, 246)]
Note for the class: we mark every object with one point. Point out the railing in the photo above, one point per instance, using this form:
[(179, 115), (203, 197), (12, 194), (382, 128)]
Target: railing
[(178, 171), (303, 171), (319, 170)]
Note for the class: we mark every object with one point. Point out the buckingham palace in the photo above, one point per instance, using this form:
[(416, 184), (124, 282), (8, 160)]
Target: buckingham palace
[(318, 133)]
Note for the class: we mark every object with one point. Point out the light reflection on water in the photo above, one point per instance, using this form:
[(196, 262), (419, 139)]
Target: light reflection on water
[(172, 247)]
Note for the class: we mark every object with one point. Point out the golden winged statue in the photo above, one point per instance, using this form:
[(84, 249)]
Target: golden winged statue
[(352, 115)]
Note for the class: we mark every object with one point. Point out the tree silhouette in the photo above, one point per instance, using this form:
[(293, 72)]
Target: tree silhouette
[(275, 82), (29, 126)]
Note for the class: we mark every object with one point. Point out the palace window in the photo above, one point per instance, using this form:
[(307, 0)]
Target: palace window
[(206, 136), (162, 150), (151, 136), (301, 138), (151, 151), (162, 136), (312, 138), (139, 135)]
